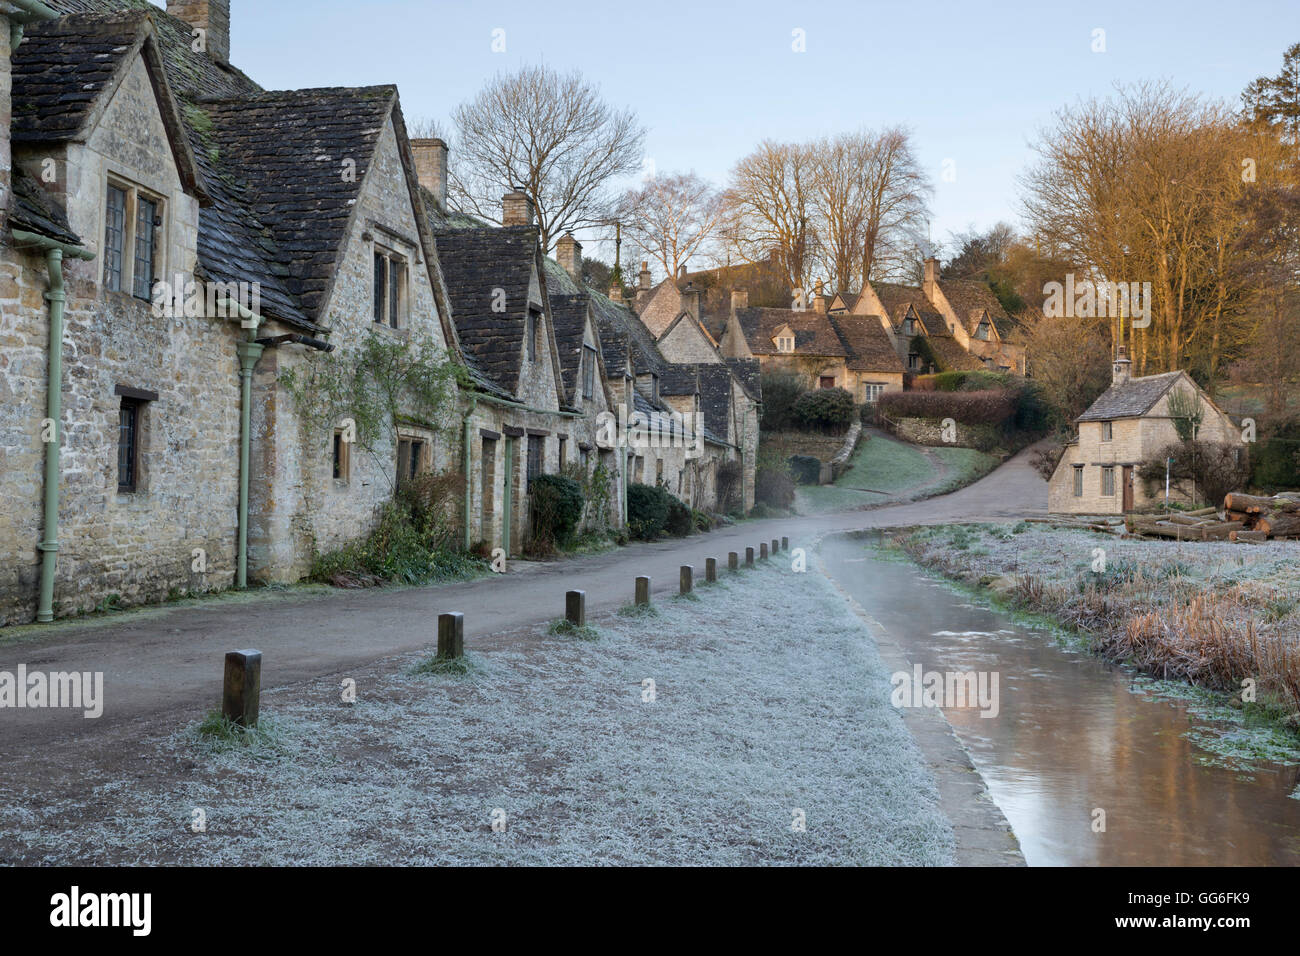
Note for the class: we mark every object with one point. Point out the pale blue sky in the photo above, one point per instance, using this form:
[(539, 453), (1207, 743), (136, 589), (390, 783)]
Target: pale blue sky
[(974, 80)]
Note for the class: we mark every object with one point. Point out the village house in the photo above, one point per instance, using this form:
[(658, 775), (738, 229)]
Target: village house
[(1131, 423), (148, 174), (827, 351)]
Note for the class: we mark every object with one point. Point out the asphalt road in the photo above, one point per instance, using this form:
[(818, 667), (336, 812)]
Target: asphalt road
[(169, 657)]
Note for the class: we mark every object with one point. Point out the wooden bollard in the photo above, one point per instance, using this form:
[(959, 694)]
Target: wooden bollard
[(762, 551), (776, 547), (733, 561), (749, 557), (710, 570), (785, 544), (642, 590), (686, 579), (575, 607), (451, 635), (242, 693)]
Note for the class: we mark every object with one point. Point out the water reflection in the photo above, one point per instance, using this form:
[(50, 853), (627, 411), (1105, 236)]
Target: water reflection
[(1071, 738)]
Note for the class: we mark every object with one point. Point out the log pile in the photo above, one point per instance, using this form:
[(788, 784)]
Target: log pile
[(1276, 517), (1248, 519)]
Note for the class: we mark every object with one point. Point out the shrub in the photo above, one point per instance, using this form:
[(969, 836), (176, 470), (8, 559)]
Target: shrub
[(780, 392), (824, 409), (1044, 460), (805, 469), (993, 406), (1212, 469), (1277, 458), (773, 487), (680, 521), (963, 381), (557, 509), (647, 511)]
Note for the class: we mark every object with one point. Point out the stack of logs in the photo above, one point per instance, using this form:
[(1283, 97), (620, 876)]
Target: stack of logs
[(1276, 517), (1245, 518)]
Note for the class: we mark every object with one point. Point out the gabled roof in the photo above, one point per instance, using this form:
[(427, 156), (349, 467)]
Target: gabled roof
[(689, 318), (970, 298), (476, 262), (569, 315), (63, 69), (286, 150), (749, 373), (813, 334), (951, 355), (867, 343), (1130, 399), (35, 210)]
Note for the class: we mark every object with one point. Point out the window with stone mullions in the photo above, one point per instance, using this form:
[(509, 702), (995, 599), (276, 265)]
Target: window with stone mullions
[(389, 287)]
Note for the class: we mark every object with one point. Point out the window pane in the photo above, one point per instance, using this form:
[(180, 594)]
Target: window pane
[(381, 279), (126, 433), (114, 238), (394, 292), (145, 211)]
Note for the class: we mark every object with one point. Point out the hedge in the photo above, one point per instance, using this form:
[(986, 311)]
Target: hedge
[(991, 406), (824, 409)]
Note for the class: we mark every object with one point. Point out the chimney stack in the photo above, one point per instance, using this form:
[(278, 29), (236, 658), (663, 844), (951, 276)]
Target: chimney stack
[(644, 278), (739, 300), (691, 300), (1121, 368), (431, 168), (210, 16), (516, 209), (568, 253), (819, 300), (681, 272), (931, 276)]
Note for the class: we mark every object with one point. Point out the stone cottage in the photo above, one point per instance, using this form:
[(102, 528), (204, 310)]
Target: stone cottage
[(1129, 425)]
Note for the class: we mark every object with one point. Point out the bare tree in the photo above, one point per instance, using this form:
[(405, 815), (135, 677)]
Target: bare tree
[(897, 202), (550, 136), (768, 209), (672, 217)]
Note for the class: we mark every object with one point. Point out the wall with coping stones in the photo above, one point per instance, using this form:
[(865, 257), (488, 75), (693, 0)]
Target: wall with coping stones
[(929, 431)]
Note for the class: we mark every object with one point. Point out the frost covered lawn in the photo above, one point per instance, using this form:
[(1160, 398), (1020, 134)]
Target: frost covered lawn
[(905, 472), (769, 697), (1209, 613)]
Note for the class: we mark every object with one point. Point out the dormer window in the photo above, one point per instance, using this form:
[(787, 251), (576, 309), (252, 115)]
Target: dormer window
[(982, 332), (132, 237), (909, 326), (785, 343)]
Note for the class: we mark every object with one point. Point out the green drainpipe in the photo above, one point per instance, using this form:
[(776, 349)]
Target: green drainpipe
[(249, 352), (465, 457), (56, 297)]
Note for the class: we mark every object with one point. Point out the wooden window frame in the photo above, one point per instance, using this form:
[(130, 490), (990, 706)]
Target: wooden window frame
[(1108, 472), (124, 278), (342, 458), (588, 371), (390, 287), (136, 406), (1107, 430), (1078, 481)]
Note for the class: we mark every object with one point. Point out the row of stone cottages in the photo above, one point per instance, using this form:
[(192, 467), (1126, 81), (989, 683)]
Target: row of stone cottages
[(868, 343), (148, 188)]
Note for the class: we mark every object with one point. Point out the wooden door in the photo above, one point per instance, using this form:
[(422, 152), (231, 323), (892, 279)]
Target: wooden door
[(1126, 479)]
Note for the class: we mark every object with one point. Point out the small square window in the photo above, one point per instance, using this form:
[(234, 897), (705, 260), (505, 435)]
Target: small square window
[(410, 459)]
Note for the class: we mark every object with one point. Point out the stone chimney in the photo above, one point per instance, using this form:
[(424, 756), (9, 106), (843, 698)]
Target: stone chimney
[(739, 300), (431, 168), (516, 209), (691, 300), (643, 279), (931, 281), (568, 253), (210, 16), (1121, 368), (681, 272), (819, 300)]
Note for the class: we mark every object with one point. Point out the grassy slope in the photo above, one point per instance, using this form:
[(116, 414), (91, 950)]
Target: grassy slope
[(902, 470)]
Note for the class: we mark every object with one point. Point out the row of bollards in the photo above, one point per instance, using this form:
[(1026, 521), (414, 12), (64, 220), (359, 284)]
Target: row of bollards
[(242, 690)]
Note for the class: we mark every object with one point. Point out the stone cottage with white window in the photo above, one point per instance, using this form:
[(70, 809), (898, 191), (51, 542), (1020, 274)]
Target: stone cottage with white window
[(1130, 424)]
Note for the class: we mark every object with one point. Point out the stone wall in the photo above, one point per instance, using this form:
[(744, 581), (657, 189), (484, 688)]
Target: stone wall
[(930, 431)]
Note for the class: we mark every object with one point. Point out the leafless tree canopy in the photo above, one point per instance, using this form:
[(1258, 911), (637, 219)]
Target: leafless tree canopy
[(550, 136), (846, 207), (672, 217)]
